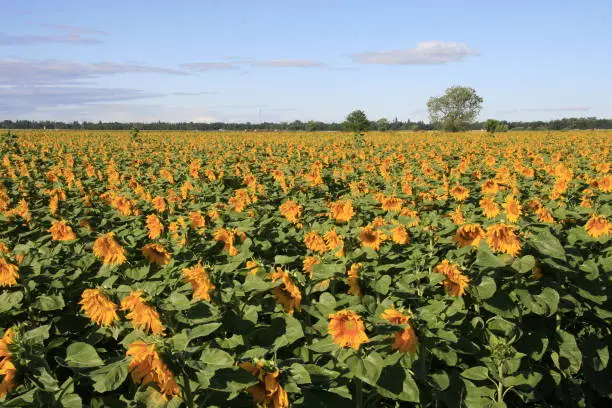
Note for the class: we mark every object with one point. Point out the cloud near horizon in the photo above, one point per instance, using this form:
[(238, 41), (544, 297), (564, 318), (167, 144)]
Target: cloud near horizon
[(425, 53), (235, 63), (71, 35)]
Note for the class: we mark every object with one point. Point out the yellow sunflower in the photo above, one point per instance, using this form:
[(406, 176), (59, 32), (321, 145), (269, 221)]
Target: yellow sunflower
[(347, 329)]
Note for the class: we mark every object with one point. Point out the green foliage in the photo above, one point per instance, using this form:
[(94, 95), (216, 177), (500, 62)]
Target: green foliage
[(356, 122), (456, 109)]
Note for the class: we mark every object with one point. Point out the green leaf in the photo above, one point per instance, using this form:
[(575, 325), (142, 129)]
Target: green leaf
[(203, 330), (326, 271), (300, 374), (397, 383), (36, 336), (138, 274), (485, 258), (110, 377), (10, 301), (382, 285), (231, 379), (82, 355), (176, 301), (547, 244), (284, 259), (254, 283), (524, 264), (49, 302), (476, 373), (217, 357), (568, 349), (486, 288)]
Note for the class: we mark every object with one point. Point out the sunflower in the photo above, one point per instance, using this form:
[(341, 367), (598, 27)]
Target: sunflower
[(109, 250), (457, 216), (252, 266), (291, 210), (315, 242), (99, 308), (597, 226), (9, 273), (513, 208), (469, 234), (406, 340), (489, 207), (353, 279), (341, 211), (197, 221), (159, 203), (399, 235), (227, 237), (371, 238), (460, 193), (308, 265), (347, 329), (545, 216), (146, 366), (200, 282), (155, 226), (393, 204), (287, 294), (455, 282), (143, 316), (333, 241), (501, 238), (156, 254), (8, 371), (489, 187), (268, 393), (61, 231)]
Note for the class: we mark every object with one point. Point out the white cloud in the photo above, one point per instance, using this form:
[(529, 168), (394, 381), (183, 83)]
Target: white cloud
[(425, 53), (209, 66), (237, 63), (27, 72), (75, 29)]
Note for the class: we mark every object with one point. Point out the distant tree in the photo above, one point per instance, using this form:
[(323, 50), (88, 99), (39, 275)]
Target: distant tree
[(382, 125), (456, 109), (356, 121), (313, 125), (494, 126)]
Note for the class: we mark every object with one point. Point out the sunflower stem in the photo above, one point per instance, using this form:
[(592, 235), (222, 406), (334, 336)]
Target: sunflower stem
[(358, 392)]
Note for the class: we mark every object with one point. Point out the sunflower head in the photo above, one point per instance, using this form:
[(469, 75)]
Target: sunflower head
[(341, 211), (108, 250), (501, 238), (597, 226), (98, 307), (469, 234), (347, 329), (156, 254)]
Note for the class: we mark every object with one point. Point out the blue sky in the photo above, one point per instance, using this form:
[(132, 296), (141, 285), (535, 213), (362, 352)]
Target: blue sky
[(229, 60)]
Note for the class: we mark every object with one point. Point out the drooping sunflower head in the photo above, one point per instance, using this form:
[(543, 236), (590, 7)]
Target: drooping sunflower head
[(371, 238), (347, 329), (341, 211), (9, 273), (109, 250), (98, 307), (291, 210), (513, 208), (501, 238), (597, 226), (460, 193), (315, 242), (156, 254), (200, 282), (400, 235), (61, 231), (155, 226), (469, 234)]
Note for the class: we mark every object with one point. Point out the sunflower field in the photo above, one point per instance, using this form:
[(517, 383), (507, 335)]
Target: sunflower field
[(169, 269)]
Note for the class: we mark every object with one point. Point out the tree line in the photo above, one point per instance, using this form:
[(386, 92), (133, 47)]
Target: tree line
[(297, 125)]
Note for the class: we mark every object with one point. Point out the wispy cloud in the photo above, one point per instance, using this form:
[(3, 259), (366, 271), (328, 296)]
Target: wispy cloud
[(46, 39), (20, 72), (194, 93), (23, 100), (209, 66), (560, 109), (287, 63), (74, 29), (233, 63), (70, 35), (425, 53)]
